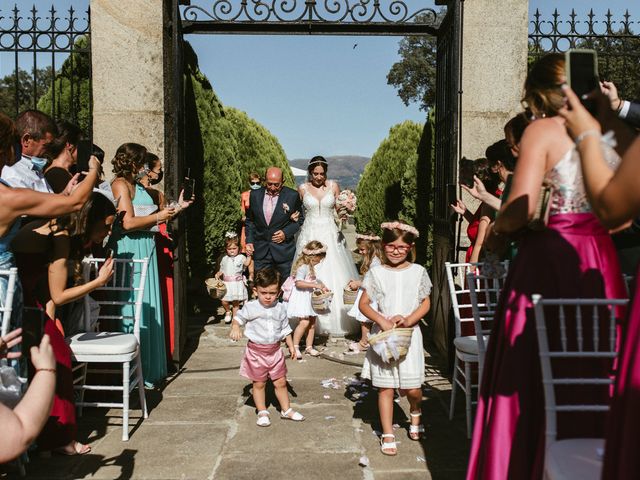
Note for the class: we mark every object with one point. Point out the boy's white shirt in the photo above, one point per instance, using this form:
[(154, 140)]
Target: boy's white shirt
[(264, 325)]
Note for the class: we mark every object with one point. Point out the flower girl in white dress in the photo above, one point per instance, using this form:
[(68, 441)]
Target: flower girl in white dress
[(401, 290), (299, 306), (370, 248)]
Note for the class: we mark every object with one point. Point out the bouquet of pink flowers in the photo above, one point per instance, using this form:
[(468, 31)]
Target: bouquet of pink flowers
[(346, 204)]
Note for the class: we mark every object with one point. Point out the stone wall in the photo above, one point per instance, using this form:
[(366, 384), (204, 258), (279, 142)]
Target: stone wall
[(128, 78)]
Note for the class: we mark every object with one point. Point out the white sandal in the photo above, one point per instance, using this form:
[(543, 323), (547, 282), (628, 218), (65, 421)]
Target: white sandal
[(388, 448), (298, 354), (296, 417), (263, 419), (416, 431), (312, 351)]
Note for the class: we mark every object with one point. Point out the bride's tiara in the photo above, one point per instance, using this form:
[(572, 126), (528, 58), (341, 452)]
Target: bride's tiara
[(371, 238), (315, 160), (400, 226), (317, 251)]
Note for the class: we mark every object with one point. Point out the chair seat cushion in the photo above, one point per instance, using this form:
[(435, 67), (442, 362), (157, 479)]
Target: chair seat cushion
[(469, 344), (575, 458), (102, 343)]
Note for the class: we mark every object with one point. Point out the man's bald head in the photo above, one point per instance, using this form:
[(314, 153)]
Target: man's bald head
[(273, 180)]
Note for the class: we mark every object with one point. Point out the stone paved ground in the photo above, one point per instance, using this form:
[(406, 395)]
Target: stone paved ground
[(202, 426)]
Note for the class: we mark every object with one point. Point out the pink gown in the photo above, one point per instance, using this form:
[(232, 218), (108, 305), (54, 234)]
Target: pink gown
[(573, 258)]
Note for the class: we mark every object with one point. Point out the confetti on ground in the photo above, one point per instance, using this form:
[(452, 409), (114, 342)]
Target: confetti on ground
[(330, 383), (421, 459), (329, 417), (326, 397), (376, 433), (396, 426), (364, 461)]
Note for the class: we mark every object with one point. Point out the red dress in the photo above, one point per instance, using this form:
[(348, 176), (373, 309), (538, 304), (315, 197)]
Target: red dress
[(164, 247), (474, 226), (244, 205)]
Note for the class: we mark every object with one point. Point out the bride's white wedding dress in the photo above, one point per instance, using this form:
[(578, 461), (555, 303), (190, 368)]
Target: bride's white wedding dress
[(337, 268)]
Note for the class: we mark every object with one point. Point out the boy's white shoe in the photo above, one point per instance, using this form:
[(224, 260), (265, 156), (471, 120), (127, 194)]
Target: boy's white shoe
[(263, 419)]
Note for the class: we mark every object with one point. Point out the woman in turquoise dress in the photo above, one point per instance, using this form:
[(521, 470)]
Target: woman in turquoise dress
[(136, 240)]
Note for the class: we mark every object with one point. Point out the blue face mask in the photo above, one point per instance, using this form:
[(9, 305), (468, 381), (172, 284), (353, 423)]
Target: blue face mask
[(256, 186), (38, 163)]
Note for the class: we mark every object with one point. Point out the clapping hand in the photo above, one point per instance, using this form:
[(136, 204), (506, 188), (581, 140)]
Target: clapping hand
[(42, 357), (106, 271), (9, 341), (459, 207), (478, 190)]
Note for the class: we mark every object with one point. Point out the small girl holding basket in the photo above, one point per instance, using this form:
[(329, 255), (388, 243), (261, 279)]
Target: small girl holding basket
[(299, 305), (370, 248), (401, 290)]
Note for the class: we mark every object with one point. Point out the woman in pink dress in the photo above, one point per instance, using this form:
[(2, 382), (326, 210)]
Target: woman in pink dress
[(573, 257), (616, 200)]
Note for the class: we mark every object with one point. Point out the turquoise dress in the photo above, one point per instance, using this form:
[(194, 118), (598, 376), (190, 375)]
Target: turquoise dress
[(138, 245)]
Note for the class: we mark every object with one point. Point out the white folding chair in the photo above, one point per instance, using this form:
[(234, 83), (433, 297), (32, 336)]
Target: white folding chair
[(113, 347), (484, 292), (7, 302), (575, 457)]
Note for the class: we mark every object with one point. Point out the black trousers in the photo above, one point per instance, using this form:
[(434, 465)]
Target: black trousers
[(266, 262)]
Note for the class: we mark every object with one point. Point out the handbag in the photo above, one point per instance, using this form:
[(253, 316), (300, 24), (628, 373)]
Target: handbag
[(543, 208)]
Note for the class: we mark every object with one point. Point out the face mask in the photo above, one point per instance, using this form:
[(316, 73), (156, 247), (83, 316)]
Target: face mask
[(158, 179), (256, 186), (38, 163)]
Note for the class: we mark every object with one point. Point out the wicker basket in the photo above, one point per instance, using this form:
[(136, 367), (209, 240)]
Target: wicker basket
[(349, 296), (392, 345), (215, 288), (321, 301)]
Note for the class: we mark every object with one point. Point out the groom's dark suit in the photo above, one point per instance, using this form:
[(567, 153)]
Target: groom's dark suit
[(267, 253)]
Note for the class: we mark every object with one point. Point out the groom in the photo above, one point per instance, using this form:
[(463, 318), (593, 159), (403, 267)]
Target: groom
[(269, 226)]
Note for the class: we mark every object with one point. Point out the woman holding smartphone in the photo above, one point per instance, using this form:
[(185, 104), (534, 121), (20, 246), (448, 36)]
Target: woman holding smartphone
[(573, 257), (136, 241), (43, 249)]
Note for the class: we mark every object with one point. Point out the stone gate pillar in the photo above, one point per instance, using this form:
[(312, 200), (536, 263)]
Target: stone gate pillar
[(493, 70), (127, 42)]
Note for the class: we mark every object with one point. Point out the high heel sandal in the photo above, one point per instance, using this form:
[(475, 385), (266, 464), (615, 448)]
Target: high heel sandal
[(416, 431), (388, 448)]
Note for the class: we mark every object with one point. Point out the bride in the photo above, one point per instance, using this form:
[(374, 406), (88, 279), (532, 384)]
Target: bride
[(319, 200)]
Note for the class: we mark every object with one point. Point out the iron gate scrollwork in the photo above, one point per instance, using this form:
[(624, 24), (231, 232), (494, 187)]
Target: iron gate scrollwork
[(344, 17), (61, 43)]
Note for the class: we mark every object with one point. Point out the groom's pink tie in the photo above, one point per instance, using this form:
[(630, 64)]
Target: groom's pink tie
[(269, 206)]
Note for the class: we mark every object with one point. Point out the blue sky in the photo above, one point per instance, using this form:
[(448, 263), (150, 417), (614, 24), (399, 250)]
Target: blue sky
[(318, 95)]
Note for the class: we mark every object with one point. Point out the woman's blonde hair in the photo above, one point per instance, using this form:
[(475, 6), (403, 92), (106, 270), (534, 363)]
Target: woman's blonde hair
[(543, 94), (305, 259), (374, 249)]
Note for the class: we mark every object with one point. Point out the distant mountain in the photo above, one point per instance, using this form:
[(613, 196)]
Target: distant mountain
[(345, 169)]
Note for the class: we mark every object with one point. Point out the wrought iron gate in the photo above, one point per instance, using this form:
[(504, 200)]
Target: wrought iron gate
[(348, 17), (50, 52)]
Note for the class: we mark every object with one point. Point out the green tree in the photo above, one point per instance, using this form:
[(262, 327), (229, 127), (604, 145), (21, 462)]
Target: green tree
[(71, 90), (25, 90), (223, 146), (380, 195)]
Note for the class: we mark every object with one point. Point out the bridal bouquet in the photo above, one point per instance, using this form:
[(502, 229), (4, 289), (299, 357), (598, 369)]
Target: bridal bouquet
[(346, 204)]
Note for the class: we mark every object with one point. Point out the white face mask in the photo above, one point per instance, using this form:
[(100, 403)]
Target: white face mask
[(255, 186)]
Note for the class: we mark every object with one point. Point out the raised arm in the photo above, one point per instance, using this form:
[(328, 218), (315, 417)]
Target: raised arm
[(58, 274), (130, 221), (614, 196)]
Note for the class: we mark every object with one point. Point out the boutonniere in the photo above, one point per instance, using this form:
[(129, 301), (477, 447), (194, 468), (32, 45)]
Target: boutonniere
[(285, 207)]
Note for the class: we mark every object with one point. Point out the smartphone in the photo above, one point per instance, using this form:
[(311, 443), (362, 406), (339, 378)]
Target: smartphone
[(452, 193), (32, 328), (581, 66), (189, 186), (465, 174), (84, 152), (116, 226)]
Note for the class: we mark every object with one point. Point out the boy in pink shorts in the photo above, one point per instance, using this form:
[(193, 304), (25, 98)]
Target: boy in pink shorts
[(266, 324)]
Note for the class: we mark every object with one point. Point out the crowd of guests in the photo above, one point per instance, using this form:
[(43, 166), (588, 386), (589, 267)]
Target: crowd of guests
[(56, 211), (562, 251)]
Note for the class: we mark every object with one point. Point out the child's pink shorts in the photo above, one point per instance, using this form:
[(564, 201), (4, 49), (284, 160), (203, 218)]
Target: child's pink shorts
[(263, 361)]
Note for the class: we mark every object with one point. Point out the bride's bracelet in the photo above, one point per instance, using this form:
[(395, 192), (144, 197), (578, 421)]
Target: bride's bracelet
[(585, 134)]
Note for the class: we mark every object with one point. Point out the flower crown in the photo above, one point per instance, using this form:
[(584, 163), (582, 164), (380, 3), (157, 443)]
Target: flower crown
[(230, 235), (317, 251), (371, 238), (400, 226)]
